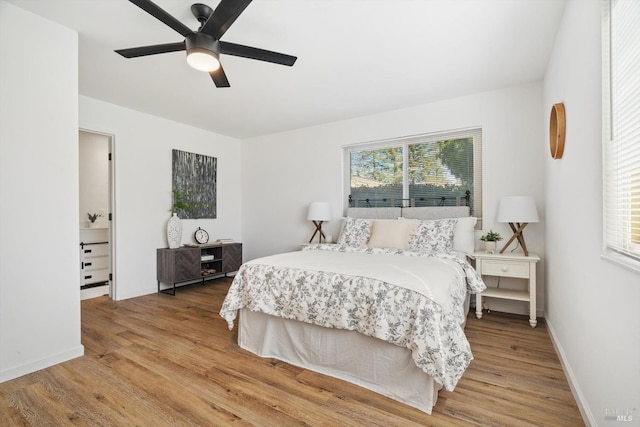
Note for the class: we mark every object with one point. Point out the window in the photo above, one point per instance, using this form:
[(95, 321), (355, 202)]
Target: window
[(425, 170), (621, 130)]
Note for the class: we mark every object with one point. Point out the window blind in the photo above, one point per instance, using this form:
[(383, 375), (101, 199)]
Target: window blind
[(463, 155), (621, 130)]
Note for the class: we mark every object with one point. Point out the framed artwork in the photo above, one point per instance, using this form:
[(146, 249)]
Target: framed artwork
[(194, 185)]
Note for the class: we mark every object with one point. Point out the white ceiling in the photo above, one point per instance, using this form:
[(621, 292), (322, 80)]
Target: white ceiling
[(355, 57)]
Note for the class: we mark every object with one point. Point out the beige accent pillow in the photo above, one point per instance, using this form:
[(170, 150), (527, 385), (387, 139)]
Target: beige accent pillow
[(392, 233)]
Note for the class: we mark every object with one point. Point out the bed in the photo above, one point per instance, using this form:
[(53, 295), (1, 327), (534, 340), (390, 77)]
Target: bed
[(383, 308)]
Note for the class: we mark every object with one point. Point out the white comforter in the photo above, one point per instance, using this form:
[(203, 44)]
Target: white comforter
[(408, 299)]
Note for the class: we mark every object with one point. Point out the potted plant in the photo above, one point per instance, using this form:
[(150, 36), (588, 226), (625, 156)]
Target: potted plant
[(92, 219), (179, 202), (490, 240)]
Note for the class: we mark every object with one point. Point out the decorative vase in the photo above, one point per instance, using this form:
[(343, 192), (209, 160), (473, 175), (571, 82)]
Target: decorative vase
[(174, 231), (490, 247)]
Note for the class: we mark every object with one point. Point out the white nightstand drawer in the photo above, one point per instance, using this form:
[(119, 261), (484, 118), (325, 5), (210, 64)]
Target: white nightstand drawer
[(505, 268), (512, 265)]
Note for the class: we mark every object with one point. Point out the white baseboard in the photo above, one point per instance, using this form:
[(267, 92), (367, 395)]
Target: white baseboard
[(27, 368), (587, 415), (98, 291)]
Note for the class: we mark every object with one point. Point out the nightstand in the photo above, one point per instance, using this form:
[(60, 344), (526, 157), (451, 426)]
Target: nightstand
[(513, 265)]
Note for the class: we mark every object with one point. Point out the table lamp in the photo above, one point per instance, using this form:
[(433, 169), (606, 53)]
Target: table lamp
[(518, 211), (318, 213)]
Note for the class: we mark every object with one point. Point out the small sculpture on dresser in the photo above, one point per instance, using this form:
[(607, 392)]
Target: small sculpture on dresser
[(174, 231), (174, 226)]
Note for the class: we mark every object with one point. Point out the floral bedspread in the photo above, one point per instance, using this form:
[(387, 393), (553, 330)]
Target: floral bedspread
[(425, 321)]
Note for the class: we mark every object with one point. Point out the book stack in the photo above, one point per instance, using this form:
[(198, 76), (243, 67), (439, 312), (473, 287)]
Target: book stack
[(225, 241)]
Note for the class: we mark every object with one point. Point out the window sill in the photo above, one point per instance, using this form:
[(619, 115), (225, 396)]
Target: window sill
[(621, 260)]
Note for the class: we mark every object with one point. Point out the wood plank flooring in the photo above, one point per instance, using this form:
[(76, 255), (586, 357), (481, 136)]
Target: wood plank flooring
[(159, 360)]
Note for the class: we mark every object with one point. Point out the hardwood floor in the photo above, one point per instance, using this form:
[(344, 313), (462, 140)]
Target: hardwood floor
[(159, 360)]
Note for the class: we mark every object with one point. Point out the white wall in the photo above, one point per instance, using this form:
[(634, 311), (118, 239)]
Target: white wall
[(142, 154), (592, 305), (283, 173), (39, 255), (94, 177)]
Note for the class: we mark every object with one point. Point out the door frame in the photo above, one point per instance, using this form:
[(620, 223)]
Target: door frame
[(113, 290)]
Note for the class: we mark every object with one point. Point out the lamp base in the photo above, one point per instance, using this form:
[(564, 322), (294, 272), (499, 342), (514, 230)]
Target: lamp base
[(321, 236), (517, 229)]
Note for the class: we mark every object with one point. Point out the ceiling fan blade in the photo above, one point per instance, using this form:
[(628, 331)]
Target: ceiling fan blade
[(155, 49), (255, 53), (219, 77), (157, 12), (225, 14)]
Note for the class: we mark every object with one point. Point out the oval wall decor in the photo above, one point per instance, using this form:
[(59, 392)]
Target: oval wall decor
[(557, 128)]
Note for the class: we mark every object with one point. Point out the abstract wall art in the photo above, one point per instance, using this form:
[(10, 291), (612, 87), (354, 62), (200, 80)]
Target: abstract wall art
[(194, 185)]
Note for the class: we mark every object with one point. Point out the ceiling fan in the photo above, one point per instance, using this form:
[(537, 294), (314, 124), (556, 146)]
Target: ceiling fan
[(204, 46)]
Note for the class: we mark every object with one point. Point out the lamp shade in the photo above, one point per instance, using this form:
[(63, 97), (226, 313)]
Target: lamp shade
[(319, 211), (517, 209)]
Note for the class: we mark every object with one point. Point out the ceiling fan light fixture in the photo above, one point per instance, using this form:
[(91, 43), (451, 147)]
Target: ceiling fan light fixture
[(202, 52), (203, 60), (203, 46)]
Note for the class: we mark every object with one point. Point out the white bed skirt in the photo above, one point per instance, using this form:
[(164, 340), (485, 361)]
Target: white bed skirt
[(368, 362)]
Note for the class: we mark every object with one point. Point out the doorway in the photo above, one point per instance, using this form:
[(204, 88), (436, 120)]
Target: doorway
[(96, 205)]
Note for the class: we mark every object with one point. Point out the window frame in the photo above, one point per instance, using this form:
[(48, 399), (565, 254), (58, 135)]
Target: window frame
[(475, 133), (618, 229)]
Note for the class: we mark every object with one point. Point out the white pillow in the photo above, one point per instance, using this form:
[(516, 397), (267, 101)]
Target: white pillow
[(391, 233), (464, 234)]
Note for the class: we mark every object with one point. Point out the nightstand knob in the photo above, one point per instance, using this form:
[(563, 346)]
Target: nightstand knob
[(505, 268)]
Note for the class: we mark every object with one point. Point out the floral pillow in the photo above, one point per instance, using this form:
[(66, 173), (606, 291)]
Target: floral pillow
[(433, 236), (355, 232)]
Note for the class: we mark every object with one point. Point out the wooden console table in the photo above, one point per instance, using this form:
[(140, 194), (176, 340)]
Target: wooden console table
[(200, 262)]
